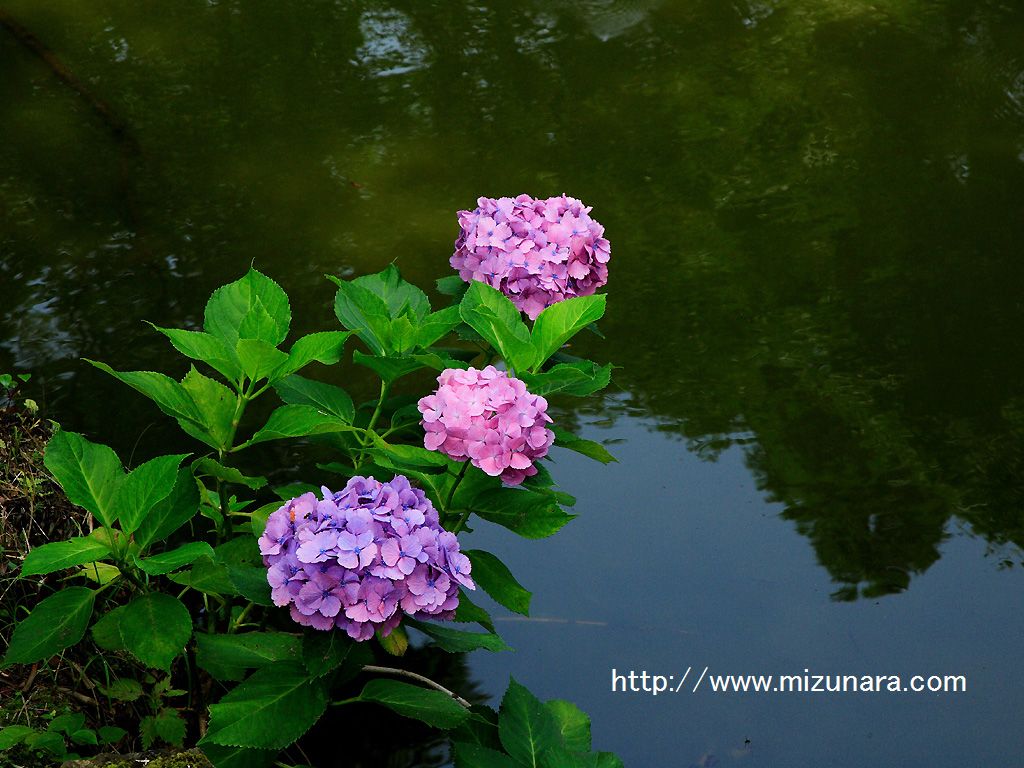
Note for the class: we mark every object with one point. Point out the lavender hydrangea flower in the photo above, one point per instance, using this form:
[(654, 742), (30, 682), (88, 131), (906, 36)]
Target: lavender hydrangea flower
[(362, 558), (489, 418), (536, 252)]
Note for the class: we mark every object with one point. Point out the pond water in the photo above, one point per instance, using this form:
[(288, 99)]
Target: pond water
[(815, 300)]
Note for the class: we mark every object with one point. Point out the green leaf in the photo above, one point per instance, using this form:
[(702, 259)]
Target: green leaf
[(69, 723), (403, 336), (107, 630), (480, 728), (297, 421), (529, 514), (388, 368), (558, 323), (211, 468), (176, 558), (260, 516), (410, 455), (166, 725), (294, 490), (215, 405), (13, 735), (469, 612), (63, 554), (270, 710), (170, 396), (51, 742), (259, 324), (111, 734), (474, 484), (99, 573), (205, 347), (145, 487), (241, 550), (162, 690), (439, 362), (254, 307), (206, 576), (172, 512), (239, 757), (395, 643), (325, 347), (364, 312), (476, 756), (497, 581), (573, 723), (457, 641), (323, 652), (400, 297), (493, 316), (123, 689), (562, 758), (228, 657), (85, 736), (89, 473), (527, 730), (259, 359), (595, 451), (437, 325), (452, 285), (577, 378), (56, 623), (543, 482), (327, 398), (251, 583), (155, 629), (434, 708)]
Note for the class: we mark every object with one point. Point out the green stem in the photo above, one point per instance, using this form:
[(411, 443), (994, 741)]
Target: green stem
[(455, 485), (367, 436), (385, 387), (462, 521), (225, 507), (342, 702), (241, 617), (241, 400)]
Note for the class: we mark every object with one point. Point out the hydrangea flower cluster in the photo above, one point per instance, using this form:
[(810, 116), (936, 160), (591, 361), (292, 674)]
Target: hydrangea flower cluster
[(536, 252), (488, 417), (362, 558)]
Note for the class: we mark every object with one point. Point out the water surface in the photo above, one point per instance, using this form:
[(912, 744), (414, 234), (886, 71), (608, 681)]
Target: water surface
[(815, 213)]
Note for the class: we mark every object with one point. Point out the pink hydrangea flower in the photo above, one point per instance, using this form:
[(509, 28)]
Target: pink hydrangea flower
[(489, 418), (536, 252), (360, 559)]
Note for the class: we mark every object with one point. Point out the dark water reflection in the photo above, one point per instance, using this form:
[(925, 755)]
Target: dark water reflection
[(816, 217)]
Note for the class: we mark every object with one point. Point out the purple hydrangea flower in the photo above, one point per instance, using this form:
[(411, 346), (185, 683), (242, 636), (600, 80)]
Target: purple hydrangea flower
[(362, 558), (536, 252), (489, 418)]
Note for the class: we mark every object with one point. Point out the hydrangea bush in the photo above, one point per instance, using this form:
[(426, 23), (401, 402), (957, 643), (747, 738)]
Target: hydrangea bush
[(269, 604)]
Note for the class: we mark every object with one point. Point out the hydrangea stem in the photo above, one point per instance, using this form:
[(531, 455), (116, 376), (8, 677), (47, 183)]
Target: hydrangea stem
[(455, 485), (241, 617), (222, 491), (367, 436), (462, 521), (413, 676), (385, 387)]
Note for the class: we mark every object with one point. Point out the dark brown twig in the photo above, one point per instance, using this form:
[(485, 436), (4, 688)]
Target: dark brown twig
[(106, 113)]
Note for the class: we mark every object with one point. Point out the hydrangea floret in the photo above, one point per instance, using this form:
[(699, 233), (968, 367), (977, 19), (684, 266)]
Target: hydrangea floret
[(489, 418), (537, 252), (362, 558)]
